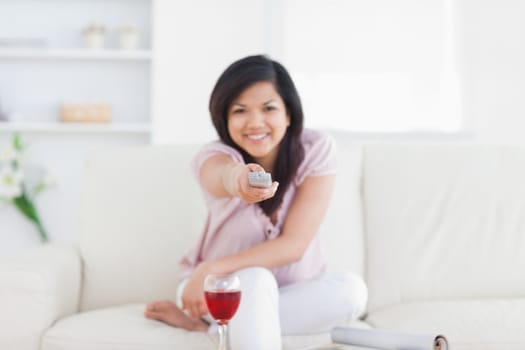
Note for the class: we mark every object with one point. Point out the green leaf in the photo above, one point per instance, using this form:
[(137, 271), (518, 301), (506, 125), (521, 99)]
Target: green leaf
[(39, 188), (24, 203), (17, 142), (43, 234), (27, 208)]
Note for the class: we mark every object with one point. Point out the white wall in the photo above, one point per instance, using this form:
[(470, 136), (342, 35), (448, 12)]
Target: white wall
[(493, 54), (375, 66), (194, 41)]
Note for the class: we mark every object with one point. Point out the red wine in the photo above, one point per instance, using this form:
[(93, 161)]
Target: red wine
[(222, 304)]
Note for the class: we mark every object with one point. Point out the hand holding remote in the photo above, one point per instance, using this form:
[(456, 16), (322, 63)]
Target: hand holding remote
[(260, 179), (254, 184)]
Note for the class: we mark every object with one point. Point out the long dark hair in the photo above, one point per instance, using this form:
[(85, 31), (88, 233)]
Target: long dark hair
[(234, 80)]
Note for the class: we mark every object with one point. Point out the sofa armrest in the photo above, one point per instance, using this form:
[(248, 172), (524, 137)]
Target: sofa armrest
[(37, 288)]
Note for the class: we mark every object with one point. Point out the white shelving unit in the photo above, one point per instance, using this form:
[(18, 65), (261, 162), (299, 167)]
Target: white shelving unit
[(44, 64)]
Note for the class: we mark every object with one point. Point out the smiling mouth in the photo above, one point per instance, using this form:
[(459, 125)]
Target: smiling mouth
[(257, 137)]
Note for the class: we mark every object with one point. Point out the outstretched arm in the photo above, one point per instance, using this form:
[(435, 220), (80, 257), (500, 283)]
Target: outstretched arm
[(223, 177)]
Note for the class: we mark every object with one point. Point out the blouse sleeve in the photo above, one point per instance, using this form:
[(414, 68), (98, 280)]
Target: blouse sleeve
[(212, 149), (319, 156)]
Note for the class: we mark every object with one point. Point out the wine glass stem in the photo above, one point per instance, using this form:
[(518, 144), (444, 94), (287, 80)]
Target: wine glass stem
[(223, 336)]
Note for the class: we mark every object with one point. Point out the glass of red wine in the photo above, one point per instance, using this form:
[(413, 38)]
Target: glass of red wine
[(223, 296)]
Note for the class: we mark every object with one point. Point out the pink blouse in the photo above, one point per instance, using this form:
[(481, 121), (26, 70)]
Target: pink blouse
[(233, 225)]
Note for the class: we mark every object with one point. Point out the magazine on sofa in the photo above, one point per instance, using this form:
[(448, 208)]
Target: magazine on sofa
[(380, 339)]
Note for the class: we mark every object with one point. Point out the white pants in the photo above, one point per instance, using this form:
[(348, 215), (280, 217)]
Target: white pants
[(266, 312)]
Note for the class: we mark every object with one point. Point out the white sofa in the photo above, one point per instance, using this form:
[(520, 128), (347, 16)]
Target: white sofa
[(437, 230)]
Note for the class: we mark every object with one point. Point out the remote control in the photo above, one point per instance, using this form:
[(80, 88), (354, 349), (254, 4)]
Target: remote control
[(260, 179)]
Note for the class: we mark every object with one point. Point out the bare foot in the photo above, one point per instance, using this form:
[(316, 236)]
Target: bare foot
[(166, 311)]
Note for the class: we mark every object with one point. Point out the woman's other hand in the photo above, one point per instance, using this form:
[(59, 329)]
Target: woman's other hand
[(193, 295)]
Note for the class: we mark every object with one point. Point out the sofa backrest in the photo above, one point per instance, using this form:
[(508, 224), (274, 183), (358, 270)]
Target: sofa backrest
[(142, 209), (444, 222), (342, 227)]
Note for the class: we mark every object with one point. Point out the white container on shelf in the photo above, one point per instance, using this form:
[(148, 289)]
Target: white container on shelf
[(128, 37), (94, 37)]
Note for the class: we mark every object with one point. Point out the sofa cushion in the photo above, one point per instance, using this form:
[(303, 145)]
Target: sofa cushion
[(444, 221), (141, 210), (37, 287), (342, 228), (125, 327), (484, 324)]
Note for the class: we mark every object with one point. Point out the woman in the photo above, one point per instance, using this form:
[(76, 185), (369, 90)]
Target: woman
[(268, 236)]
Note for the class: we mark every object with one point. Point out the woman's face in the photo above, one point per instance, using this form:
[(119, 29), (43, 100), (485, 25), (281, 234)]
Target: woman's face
[(257, 122)]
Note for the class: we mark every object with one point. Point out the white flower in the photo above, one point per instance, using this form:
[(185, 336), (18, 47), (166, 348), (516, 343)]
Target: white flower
[(10, 182), (10, 155)]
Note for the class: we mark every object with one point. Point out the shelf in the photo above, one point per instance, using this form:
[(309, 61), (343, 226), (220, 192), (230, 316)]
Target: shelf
[(136, 128), (77, 54)]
